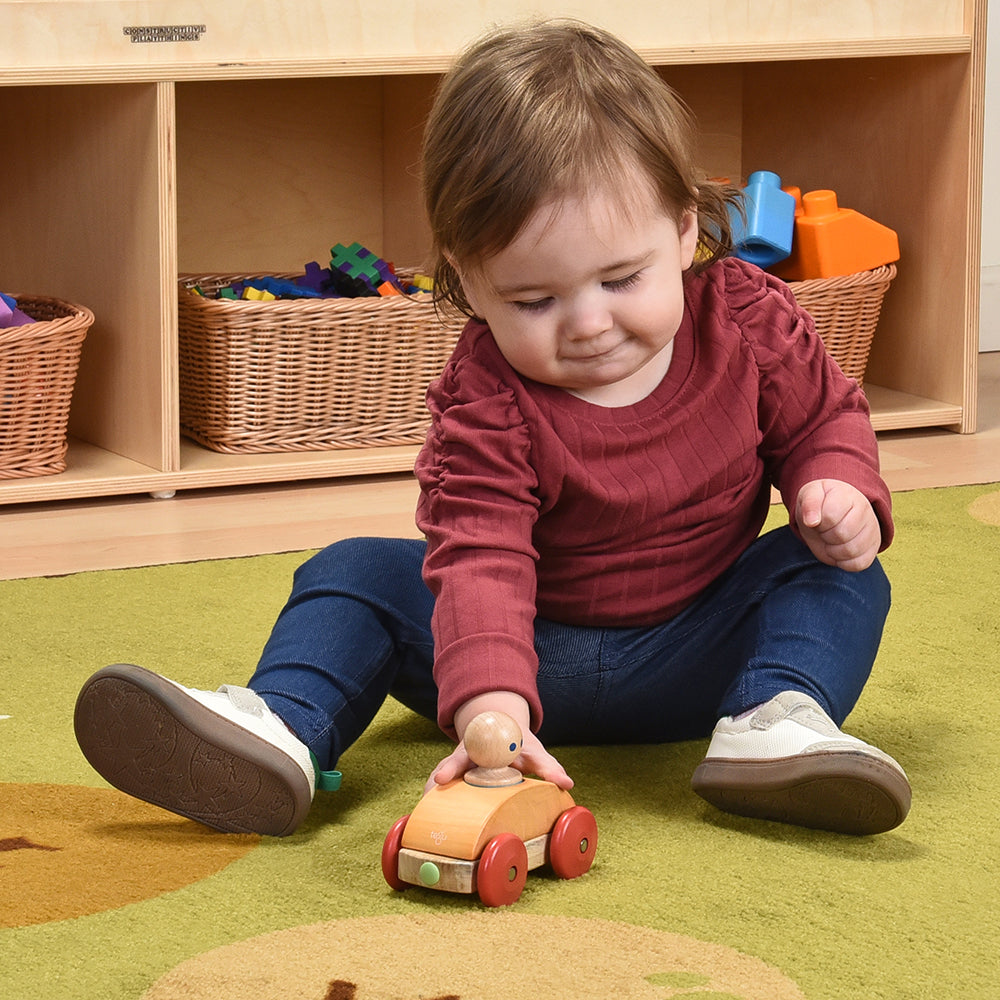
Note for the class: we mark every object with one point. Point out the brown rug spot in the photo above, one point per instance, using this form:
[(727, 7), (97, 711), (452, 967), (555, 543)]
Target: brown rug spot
[(66, 851), (492, 955), (986, 508)]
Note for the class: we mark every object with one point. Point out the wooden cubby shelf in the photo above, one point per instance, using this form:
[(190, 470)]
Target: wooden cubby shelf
[(150, 139)]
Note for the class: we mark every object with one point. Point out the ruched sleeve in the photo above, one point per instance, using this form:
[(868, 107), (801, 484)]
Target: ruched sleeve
[(814, 421), (478, 508)]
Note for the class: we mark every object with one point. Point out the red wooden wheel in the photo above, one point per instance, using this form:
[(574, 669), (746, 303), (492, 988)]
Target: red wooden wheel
[(390, 854), (503, 870), (573, 842)]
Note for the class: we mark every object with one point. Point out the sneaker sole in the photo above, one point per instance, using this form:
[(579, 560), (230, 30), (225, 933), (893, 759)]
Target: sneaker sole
[(840, 791), (153, 741)]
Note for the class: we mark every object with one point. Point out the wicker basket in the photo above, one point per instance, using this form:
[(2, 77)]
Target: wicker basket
[(846, 312), (306, 374), (38, 365)]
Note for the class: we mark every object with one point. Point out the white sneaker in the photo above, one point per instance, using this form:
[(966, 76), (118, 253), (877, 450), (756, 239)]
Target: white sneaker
[(788, 761), (220, 757)]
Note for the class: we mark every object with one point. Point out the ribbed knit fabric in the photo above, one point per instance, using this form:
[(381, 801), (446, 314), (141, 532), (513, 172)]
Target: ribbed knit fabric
[(622, 516)]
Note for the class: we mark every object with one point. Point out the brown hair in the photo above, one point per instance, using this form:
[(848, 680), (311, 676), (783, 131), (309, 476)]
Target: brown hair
[(536, 112)]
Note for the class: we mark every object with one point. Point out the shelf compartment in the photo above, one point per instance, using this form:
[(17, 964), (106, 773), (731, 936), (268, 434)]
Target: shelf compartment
[(88, 211)]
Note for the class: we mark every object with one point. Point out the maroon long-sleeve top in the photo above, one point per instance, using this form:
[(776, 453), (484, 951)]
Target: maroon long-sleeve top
[(535, 502)]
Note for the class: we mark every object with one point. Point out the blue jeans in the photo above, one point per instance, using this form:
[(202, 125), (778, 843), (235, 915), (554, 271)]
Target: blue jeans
[(356, 629)]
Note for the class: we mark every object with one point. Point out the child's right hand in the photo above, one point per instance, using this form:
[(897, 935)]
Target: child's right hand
[(838, 523), (533, 758)]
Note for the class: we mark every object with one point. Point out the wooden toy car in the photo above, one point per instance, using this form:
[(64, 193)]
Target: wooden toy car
[(483, 833)]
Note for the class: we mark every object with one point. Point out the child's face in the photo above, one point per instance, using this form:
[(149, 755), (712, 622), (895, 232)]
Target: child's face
[(588, 297)]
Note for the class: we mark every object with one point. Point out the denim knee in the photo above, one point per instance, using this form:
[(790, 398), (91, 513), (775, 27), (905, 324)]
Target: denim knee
[(362, 566), (879, 588)]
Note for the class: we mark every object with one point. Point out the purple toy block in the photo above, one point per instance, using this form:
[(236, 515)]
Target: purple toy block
[(10, 315), (319, 279)]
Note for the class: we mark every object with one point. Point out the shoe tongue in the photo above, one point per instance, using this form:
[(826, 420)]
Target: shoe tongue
[(244, 699)]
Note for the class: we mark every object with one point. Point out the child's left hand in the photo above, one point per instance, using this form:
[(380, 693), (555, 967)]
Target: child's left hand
[(838, 524)]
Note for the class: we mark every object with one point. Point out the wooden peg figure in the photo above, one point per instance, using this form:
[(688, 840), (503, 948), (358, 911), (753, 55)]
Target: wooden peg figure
[(493, 741)]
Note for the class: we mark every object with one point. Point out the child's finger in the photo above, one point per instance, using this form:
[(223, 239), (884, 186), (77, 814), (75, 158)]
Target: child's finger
[(810, 505)]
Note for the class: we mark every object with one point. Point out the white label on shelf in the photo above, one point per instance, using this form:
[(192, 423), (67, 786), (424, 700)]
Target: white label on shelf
[(165, 33)]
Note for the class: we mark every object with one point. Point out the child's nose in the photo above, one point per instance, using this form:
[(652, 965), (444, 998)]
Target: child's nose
[(587, 319)]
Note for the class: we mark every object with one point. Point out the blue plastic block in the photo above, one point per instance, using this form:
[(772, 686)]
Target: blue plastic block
[(283, 289), (766, 236)]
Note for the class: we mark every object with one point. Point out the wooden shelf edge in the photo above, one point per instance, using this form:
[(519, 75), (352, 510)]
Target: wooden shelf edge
[(893, 410), (402, 65), (848, 48), (94, 472)]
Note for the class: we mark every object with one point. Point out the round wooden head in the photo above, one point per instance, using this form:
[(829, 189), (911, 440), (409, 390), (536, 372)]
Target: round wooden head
[(493, 739)]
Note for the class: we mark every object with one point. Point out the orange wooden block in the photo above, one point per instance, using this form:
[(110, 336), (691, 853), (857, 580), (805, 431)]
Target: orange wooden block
[(831, 241)]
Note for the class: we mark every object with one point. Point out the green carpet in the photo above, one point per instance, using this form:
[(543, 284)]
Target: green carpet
[(103, 897)]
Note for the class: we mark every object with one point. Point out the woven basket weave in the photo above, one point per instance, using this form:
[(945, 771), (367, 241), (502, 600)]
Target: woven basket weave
[(38, 366), (846, 311), (306, 374)]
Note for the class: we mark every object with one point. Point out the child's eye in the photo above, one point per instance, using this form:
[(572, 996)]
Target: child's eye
[(535, 305), (622, 284)]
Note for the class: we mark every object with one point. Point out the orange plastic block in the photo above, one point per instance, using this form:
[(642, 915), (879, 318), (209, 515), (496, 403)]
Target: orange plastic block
[(831, 241)]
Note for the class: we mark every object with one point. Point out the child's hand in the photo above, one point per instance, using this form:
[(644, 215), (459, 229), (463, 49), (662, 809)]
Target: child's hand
[(838, 524), (533, 758)]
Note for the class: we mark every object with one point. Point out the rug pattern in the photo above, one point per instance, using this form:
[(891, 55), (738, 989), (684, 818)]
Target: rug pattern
[(103, 897)]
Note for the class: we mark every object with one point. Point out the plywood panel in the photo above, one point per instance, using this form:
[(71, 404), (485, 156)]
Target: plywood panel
[(715, 96), (213, 35), (272, 173), (408, 101)]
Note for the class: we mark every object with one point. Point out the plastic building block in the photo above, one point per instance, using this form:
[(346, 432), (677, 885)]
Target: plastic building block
[(258, 294), (316, 278), (765, 236), (282, 288), (357, 271), (831, 241), (354, 271), (10, 315), (350, 287)]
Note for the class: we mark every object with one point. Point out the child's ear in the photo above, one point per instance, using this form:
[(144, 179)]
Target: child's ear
[(688, 231), (468, 287)]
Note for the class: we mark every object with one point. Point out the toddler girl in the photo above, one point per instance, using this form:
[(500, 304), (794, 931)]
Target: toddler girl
[(598, 469)]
